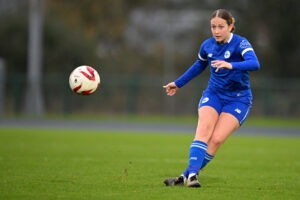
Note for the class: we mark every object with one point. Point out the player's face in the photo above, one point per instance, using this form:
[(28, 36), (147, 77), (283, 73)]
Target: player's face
[(220, 29)]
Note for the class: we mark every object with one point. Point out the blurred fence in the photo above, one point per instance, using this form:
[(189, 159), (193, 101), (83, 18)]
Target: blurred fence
[(143, 94)]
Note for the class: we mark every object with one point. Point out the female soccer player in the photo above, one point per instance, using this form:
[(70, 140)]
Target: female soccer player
[(226, 101)]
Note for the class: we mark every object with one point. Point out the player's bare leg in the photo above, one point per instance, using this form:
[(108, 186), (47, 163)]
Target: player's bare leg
[(225, 126), (207, 119)]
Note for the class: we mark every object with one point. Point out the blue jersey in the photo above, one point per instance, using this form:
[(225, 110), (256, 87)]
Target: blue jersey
[(227, 82)]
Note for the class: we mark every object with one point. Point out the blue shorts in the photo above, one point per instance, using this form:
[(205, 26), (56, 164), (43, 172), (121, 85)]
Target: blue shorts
[(233, 106)]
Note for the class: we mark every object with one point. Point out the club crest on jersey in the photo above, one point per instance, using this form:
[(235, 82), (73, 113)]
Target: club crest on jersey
[(209, 55), (227, 54)]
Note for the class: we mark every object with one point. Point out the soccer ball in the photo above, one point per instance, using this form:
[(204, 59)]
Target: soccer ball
[(84, 80)]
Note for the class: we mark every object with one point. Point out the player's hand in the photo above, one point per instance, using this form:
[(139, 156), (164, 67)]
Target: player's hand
[(219, 64), (171, 88)]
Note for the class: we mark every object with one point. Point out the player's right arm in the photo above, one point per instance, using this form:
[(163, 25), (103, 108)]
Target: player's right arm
[(195, 69), (171, 88)]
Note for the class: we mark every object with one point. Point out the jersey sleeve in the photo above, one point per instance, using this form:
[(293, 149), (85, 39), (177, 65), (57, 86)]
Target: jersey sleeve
[(195, 69), (250, 61)]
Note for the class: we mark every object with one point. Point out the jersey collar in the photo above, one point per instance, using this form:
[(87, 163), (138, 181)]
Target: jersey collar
[(230, 38)]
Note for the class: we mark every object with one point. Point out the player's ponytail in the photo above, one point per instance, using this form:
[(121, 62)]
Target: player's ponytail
[(233, 23)]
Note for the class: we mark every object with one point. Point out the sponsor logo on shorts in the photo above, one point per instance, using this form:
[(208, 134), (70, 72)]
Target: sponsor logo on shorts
[(238, 111), (205, 99)]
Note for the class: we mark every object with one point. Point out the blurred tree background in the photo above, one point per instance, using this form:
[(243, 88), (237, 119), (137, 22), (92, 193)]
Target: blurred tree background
[(139, 45)]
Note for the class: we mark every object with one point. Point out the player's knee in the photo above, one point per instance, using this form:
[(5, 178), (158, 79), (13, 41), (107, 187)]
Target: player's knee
[(216, 141), (204, 132)]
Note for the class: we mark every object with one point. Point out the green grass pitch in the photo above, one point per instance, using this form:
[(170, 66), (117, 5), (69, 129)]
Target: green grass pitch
[(73, 164)]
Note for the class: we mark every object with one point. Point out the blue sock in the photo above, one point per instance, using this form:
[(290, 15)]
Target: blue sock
[(197, 154), (206, 160)]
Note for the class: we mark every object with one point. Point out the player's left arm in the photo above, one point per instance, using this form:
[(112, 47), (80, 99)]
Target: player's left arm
[(250, 62)]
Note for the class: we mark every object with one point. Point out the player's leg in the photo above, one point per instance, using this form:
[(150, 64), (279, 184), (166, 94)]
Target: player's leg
[(232, 117), (208, 157), (225, 126), (208, 113), (207, 120), (216, 140)]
